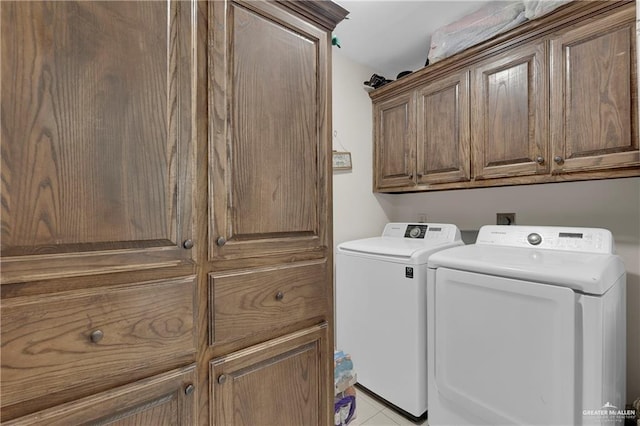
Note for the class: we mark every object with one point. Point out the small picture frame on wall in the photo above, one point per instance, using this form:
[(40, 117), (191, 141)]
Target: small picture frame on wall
[(341, 160)]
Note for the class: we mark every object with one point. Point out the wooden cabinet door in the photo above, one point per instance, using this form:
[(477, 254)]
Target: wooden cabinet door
[(167, 399), (293, 368), (593, 95), (395, 138), (96, 137), (269, 119), (509, 114), (443, 153)]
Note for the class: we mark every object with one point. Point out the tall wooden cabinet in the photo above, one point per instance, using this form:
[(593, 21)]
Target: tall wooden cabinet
[(97, 273), (268, 260), (166, 199)]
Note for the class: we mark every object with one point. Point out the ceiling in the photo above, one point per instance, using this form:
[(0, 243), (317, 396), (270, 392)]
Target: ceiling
[(393, 36)]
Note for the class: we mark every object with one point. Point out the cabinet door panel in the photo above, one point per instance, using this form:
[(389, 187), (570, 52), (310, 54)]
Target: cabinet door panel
[(395, 135), (167, 399), (95, 135), (269, 169), (593, 107), (443, 130), (298, 386), (509, 114)]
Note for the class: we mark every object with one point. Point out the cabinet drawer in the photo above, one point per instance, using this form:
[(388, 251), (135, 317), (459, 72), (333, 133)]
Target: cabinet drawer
[(253, 301), (66, 344), (165, 399)]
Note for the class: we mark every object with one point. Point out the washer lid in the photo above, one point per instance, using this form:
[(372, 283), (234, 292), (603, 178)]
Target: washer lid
[(407, 250), (591, 273)]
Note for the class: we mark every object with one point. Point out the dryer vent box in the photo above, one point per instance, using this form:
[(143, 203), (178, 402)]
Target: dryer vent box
[(505, 219)]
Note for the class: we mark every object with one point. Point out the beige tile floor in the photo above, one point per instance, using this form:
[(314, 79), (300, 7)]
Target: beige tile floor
[(371, 412)]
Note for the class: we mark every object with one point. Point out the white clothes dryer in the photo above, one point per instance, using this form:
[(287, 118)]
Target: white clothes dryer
[(381, 309), (527, 327)]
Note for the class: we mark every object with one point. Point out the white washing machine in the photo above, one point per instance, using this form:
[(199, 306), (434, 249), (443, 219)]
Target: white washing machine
[(527, 327), (381, 309)]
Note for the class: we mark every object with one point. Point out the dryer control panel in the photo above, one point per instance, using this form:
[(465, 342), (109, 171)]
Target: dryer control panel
[(588, 240)]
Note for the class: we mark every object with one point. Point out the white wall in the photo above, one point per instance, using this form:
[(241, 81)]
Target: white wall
[(357, 212), (612, 204)]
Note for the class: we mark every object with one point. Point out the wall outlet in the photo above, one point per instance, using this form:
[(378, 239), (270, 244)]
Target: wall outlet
[(505, 218), (422, 218)]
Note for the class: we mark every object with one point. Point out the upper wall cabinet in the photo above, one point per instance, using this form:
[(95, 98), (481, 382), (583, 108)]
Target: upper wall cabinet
[(268, 166), (552, 100), (396, 141), (416, 145), (593, 98), (509, 113), (96, 137), (443, 130)]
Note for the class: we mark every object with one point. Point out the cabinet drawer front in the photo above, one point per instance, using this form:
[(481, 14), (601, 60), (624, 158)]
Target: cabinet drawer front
[(249, 302), (78, 342), (168, 398)]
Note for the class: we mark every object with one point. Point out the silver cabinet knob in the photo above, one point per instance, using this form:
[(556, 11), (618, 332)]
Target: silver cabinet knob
[(279, 296), (221, 241), (188, 244), (539, 159), (96, 336), (188, 390), (222, 379), (558, 159)]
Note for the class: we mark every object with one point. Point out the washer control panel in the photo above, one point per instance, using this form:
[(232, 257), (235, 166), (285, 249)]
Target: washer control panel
[(427, 232), (416, 231), (590, 240)]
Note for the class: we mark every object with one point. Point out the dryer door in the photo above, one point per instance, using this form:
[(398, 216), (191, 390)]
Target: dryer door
[(505, 349)]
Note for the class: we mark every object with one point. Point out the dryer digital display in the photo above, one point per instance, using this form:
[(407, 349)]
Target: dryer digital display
[(569, 235)]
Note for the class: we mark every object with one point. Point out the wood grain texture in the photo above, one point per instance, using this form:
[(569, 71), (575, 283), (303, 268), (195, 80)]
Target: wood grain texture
[(165, 108), (518, 180), (395, 135), (96, 132), (563, 85), (540, 28), (269, 187), (509, 113), (47, 346), (159, 400), (323, 12), (294, 366), (593, 95), (246, 302), (274, 144), (268, 164), (443, 150)]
